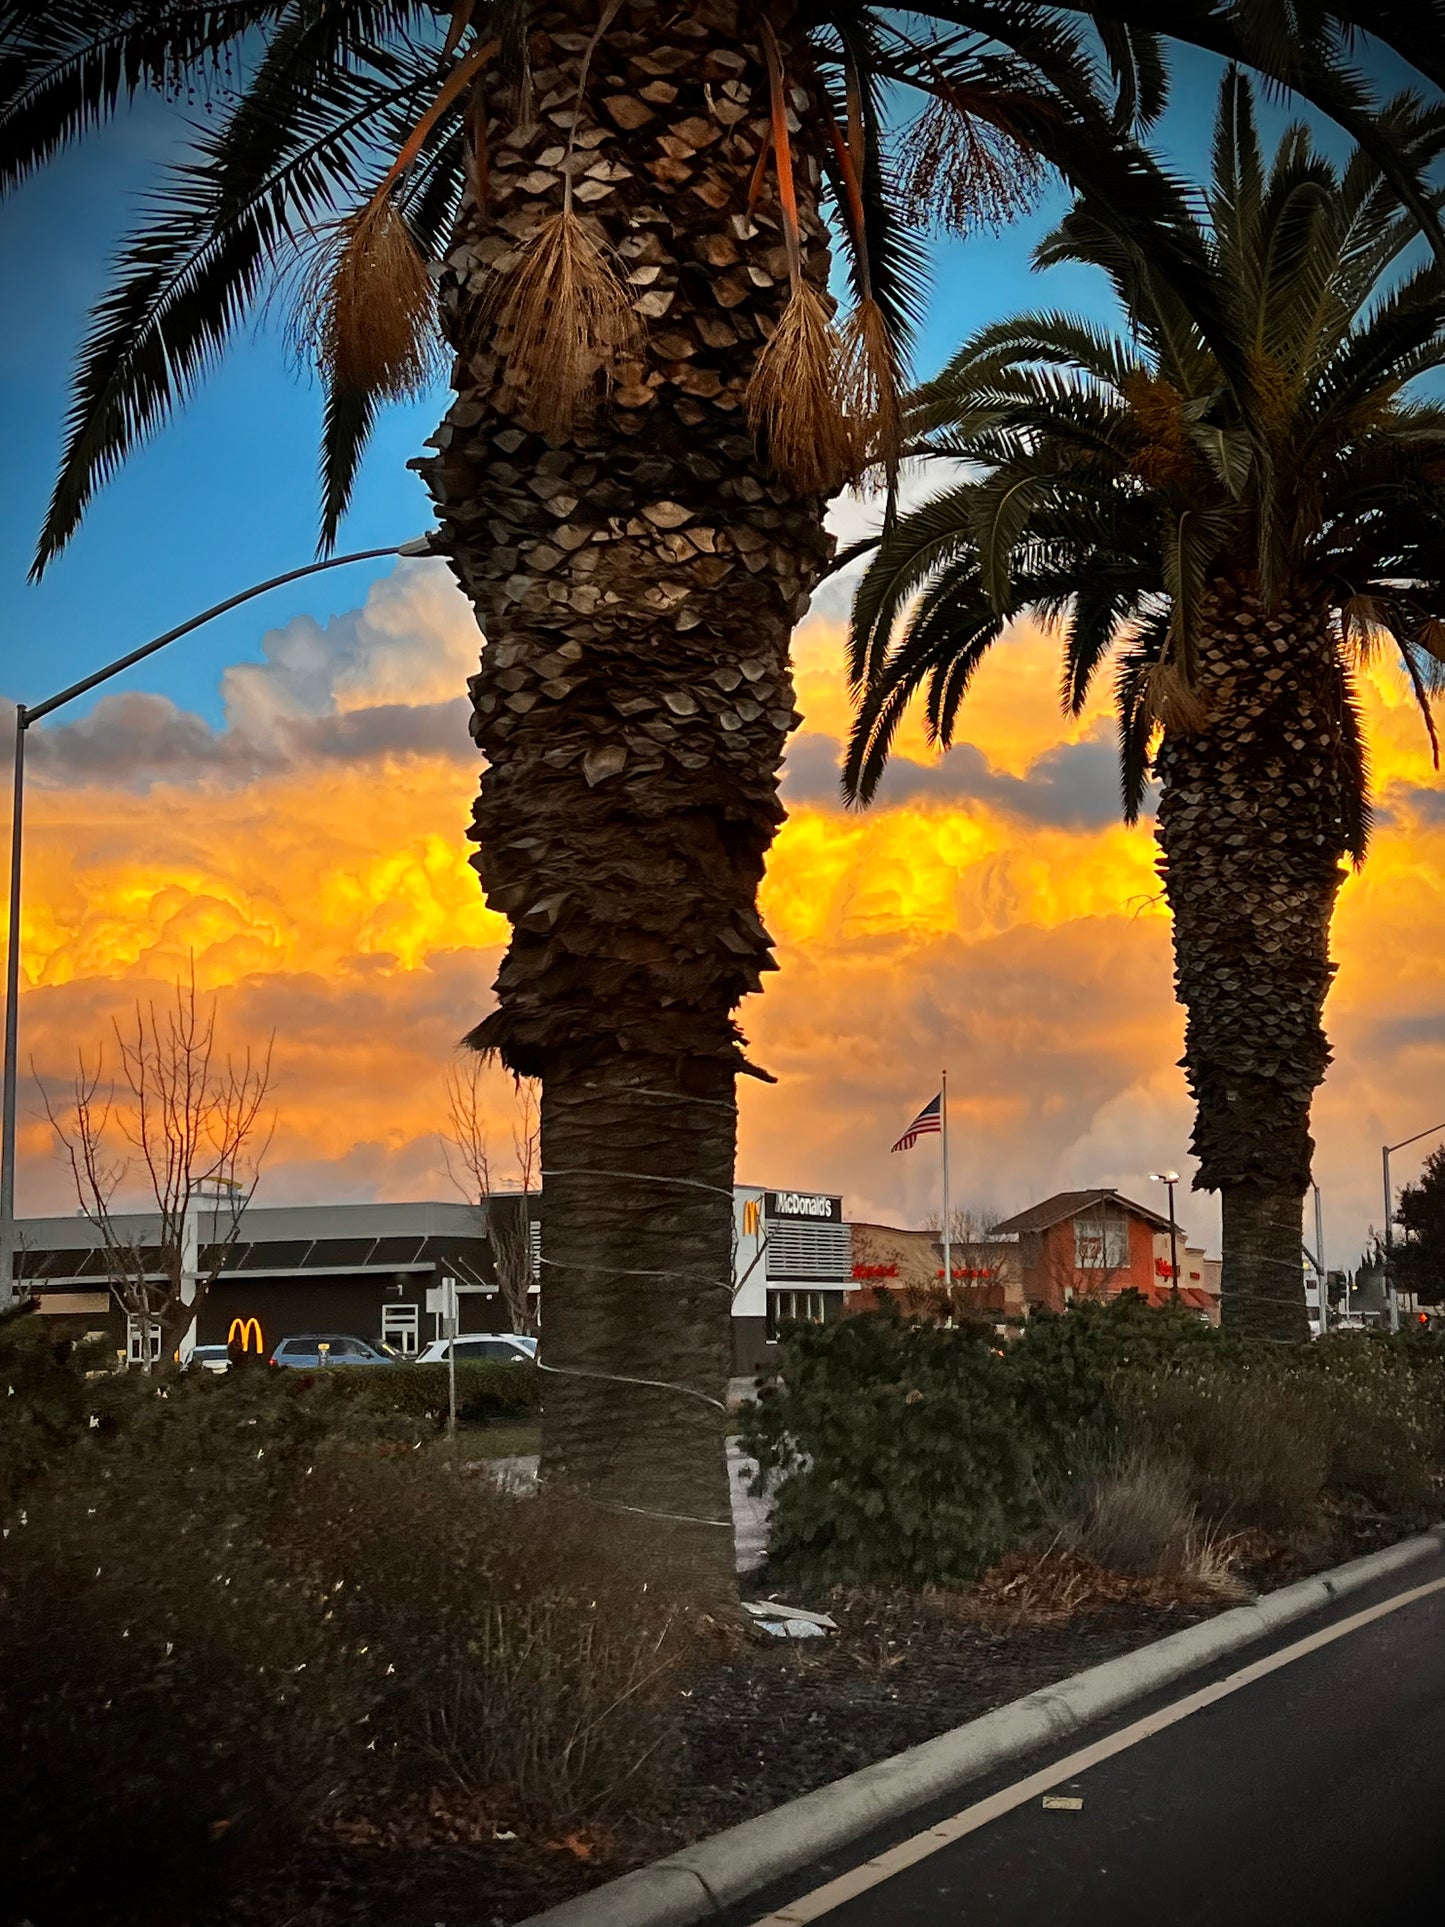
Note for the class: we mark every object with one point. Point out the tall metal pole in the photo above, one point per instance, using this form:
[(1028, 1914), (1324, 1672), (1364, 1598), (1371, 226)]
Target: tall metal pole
[(1392, 1301), (1173, 1243), (1320, 1261), (947, 1229), (24, 717), (12, 1022)]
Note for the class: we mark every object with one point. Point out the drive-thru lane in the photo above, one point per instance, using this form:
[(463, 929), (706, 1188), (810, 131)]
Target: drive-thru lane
[(1308, 1786)]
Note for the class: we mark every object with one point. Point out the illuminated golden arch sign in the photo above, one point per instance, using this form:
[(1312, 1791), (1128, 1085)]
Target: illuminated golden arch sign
[(752, 1217), (244, 1330)]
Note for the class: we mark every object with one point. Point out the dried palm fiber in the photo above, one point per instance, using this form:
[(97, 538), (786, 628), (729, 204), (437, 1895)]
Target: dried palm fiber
[(368, 305), (562, 318), (965, 167), (1171, 702), (367, 301), (794, 394), (869, 380)]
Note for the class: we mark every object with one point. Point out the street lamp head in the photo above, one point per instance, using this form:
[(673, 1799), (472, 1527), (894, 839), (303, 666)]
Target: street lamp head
[(1164, 1177)]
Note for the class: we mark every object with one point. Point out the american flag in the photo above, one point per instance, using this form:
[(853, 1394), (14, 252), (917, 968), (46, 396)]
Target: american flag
[(930, 1118)]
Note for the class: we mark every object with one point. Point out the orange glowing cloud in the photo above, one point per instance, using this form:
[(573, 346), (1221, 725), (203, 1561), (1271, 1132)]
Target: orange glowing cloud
[(991, 913)]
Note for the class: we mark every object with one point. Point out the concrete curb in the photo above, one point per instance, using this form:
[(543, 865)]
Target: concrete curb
[(704, 1880)]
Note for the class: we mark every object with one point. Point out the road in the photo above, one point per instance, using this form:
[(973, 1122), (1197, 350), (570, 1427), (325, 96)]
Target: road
[(1312, 1793)]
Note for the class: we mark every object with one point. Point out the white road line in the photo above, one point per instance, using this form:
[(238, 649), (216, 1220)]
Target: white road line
[(872, 1873)]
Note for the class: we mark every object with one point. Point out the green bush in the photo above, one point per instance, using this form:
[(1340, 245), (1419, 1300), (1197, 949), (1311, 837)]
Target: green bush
[(486, 1389), (896, 1452), (44, 1402), (901, 1451)]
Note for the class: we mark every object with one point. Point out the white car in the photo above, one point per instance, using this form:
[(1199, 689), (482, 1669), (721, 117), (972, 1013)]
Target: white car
[(497, 1348)]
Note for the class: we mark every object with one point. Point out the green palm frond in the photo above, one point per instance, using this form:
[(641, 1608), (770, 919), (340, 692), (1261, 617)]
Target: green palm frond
[(306, 96), (1115, 484), (219, 230)]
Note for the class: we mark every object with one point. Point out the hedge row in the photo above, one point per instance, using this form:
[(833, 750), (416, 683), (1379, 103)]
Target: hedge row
[(486, 1390), (899, 1451)]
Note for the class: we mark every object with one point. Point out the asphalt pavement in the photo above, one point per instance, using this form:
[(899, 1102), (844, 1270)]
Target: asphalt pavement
[(1314, 1793)]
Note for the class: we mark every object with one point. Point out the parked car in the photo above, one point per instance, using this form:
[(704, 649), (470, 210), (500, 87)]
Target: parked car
[(307, 1350), (501, 1348), (211, 1358)]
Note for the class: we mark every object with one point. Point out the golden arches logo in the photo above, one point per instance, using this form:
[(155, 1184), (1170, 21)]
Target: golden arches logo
[(244, 1330), (752, 1217)]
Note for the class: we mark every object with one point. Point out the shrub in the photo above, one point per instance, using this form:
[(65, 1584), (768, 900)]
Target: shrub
[(1254, 1447), (896, 1452), (203, 1655), (44, 1406), (486, 1390), (901, 1451)]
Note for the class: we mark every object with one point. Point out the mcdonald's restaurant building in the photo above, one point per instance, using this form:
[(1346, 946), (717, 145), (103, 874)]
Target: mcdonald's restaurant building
[(792, 1260), (374, 1271)]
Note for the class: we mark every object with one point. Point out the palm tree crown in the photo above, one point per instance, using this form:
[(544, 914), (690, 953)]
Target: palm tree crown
[(320, 110), (1258, 419)]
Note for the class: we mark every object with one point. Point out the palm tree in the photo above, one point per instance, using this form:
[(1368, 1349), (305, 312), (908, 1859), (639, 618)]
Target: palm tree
[(1237, 503), (615, 209)]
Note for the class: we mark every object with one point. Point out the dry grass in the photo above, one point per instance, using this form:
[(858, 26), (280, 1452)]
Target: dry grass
[(564, 324), (1135, 1517), (367, 308), (795, 398)]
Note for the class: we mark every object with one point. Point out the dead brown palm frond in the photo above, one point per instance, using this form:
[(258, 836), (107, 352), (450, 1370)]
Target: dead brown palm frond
[(1431, 637), (1172, 702), (367, 306), (793, 398), (794, 395), (563, 324), (967, 169), (868, 389), (870, 378)]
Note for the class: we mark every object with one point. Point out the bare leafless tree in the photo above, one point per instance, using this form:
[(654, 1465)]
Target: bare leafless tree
[(466, 1149), (197, 1129)]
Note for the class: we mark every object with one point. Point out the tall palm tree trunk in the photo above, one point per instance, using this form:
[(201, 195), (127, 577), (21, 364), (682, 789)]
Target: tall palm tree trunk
[(637, 581), (1252, 827)]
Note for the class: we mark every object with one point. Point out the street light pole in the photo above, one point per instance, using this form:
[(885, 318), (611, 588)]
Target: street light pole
[(1169, 1179), (1392, 1297), (24, 717)]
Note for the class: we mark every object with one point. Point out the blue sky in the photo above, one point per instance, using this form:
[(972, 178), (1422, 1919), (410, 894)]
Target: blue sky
[(226, 494)]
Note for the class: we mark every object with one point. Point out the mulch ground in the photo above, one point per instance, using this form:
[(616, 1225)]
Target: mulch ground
[(764, 1720)]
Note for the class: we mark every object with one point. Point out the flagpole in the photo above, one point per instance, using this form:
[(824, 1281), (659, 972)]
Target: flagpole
[(947, 1243)]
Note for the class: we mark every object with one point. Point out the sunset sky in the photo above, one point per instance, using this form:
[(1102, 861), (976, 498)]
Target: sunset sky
[(284, 798)]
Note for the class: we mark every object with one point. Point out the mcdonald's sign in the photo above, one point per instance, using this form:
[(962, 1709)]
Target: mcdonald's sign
[(243, 1330), (752, 1217)]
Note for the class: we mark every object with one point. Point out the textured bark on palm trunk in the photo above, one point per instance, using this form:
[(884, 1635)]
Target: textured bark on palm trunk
[(637, 583), (1252, 825)]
